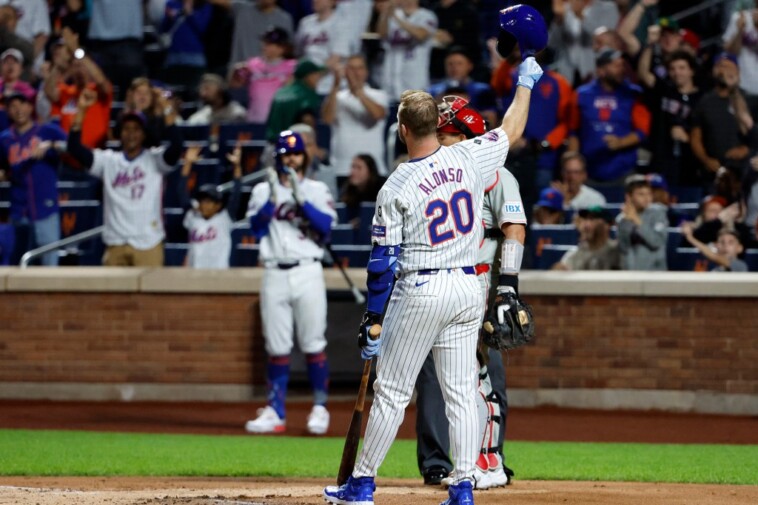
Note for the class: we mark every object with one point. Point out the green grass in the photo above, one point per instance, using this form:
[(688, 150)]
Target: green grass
[(27, 452)]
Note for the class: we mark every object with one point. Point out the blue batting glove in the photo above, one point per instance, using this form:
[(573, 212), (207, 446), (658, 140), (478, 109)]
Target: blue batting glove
[(369, 344), (371, 349), (529, 72)]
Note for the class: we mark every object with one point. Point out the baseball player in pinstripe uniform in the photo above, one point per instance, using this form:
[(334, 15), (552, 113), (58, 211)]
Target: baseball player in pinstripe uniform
[(503, 216), (426, 236), (291, 215)]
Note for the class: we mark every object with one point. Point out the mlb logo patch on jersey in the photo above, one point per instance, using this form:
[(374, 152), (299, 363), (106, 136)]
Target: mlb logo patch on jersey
[(378, 231), (512, 207)]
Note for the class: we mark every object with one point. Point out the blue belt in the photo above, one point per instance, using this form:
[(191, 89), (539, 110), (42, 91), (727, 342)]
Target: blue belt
[(435, 271)]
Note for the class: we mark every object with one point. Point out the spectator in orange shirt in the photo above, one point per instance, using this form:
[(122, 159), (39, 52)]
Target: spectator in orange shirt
[(73, 71)]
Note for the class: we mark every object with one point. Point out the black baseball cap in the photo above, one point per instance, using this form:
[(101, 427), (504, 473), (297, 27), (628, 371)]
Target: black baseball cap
[(606, 56), (596, 212), (210, 192), (276, 35)]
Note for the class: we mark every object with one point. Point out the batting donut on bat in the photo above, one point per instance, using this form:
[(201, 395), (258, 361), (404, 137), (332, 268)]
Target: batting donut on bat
[(503, 216), (291, 216)]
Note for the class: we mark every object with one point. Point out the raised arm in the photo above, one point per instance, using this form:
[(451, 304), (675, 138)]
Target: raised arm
[(81, 153), (514, 120)]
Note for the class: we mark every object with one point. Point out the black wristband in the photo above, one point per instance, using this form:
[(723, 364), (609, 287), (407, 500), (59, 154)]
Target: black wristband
[(509, 280)]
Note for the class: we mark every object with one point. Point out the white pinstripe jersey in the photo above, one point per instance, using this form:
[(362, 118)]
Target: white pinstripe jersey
[(432, 207)]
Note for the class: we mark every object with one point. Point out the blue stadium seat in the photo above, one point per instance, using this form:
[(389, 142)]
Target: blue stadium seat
[(323, 135), (363, 235), (79, 190), (244, 248), (542, 235), (173, 218), (79, 215), (356, 255), (341, 212), (198, 133), (673, 239), (550, 255), (5, 191), (688, 259), (751, 258), (612, 194), (686, 194), (688, 209), (174, 254), (343, 234)]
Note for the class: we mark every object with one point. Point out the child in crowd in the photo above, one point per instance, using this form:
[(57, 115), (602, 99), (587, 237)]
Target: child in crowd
[(728, 249), (549, 207), (208, 222), (642, 227)]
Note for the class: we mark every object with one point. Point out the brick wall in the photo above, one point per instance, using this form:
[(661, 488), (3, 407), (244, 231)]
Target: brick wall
[(584, 342)]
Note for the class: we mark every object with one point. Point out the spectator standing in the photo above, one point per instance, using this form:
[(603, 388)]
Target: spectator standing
[(252, 19), (741, 38), (218, 105), (722, 125), (574, 23), (642, 228), (9, 16), (458, 68), (609, 121), (458, 26), (576, 194), (323, 38), (29, 158), (264, 75), (673, 100), (115, 40), (319, 168), (596, 250), (356, 115), (407, 32), (727, 253), (11, 65), (356, 14), (208, 221), (151, 101), (292, 100), (72, 72), (132, 186), (34, 26)]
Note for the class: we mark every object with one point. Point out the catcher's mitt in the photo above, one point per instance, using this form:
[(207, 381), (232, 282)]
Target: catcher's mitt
[(509, 323)]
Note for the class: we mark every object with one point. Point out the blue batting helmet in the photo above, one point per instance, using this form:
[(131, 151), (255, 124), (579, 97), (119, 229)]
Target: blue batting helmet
[(288, 142), (522, 25)]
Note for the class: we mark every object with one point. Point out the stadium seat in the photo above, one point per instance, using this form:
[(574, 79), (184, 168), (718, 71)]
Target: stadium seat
[(343, 234), (686, 194), (550, 255), (174, 254), (195, 132), (751, 258), (688, 259), (79, 190), (612, 194), (341, 212), (244, 248), (673, 239), (363, 234), (354, 256), (173, 218), (542, 235), (79, 215)]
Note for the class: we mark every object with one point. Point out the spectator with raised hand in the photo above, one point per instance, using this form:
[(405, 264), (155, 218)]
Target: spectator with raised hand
[(571, 31), (642, 228), (153, 101), (357, 115), (323, 38), (741, 38), (29, 158), (294, 99), (132, 185), (723, 130), (407, 32), (715, 214), (72, 72), (609, 121), (208, 221), (264, 75), (673, 100), (218, 105), (576, 194), (596, 249), (727, 253)]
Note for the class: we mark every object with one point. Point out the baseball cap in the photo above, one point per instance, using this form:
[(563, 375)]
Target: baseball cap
[(15, 53), (305, 67), (135, 116), (607, 55), (657, 181), (714, 199), (210, 192), (726, 56), (276, 35), (691, 38), (597, 212), (667, 23), (550, 198)]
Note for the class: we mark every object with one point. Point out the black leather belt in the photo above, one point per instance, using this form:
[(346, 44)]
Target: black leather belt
[(287, 266)]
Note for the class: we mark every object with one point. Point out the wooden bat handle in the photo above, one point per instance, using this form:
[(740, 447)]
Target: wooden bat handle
[(374, 331)]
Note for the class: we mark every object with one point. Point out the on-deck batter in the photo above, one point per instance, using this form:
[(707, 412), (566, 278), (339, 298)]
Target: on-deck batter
[(426, 234)]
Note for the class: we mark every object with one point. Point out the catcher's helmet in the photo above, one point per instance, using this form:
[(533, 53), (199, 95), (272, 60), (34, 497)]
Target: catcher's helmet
[(456, 117), (522, 25)]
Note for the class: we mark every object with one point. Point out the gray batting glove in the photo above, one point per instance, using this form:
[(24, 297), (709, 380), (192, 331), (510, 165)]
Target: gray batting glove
[(273, 179), (295, 184)]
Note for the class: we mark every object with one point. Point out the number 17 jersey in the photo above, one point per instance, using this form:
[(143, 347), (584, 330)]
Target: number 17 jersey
[(432, 206)]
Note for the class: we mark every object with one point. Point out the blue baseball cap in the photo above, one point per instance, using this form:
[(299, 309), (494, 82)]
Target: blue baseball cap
[(550, 198), (726, 56), (657, 181)]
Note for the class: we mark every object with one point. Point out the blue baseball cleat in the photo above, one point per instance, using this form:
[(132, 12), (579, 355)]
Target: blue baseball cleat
[(358, 491), (460, 494)]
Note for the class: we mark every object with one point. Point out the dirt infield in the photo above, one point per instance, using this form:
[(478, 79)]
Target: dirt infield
[(547, 424)]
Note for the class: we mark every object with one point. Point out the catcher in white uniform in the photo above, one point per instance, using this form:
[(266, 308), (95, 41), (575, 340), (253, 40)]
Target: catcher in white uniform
[(291, 216), (426, 236)]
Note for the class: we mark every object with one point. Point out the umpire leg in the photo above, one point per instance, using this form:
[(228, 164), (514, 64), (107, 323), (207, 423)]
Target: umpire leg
[(432, 427)]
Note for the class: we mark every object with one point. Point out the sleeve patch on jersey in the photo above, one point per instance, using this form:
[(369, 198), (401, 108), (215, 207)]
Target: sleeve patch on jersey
[(378, 231), (513, 207), (492, 136), (478, 141)]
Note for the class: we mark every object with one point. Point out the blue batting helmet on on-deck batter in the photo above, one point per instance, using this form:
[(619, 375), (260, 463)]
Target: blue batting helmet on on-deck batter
[(522, 25), (288, 142)]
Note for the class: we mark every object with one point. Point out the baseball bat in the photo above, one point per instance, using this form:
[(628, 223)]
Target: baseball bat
[(350, 451), (359, 298)]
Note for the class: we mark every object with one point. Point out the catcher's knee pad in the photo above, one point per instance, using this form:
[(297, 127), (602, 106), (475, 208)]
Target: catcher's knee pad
[(493, 405), (483, 412)]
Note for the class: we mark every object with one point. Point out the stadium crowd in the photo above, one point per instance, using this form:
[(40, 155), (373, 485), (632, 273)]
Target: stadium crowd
[(640, 153)]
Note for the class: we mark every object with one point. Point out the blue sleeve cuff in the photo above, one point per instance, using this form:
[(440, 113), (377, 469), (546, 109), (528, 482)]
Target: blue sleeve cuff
[(259, 222), (319, 221)]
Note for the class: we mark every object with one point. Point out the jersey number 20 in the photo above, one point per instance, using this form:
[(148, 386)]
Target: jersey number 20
[(462, 209)]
